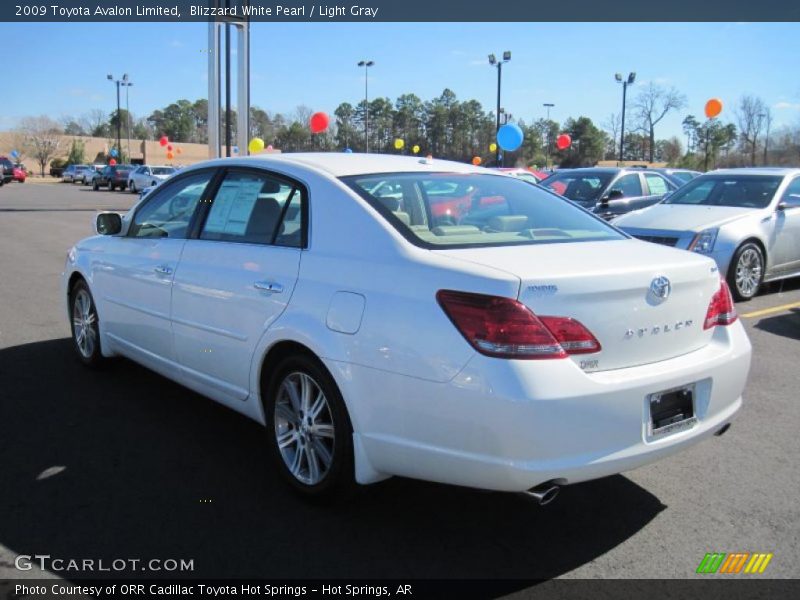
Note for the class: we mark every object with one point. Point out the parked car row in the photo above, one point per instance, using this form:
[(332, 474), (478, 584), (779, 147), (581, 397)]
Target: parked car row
[(132, 177)]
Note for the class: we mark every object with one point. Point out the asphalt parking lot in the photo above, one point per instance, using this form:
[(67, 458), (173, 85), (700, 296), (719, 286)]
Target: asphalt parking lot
[(123, 463)]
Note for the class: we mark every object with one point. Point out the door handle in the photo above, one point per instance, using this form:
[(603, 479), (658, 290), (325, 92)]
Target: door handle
[(163, 270), (268, 286)]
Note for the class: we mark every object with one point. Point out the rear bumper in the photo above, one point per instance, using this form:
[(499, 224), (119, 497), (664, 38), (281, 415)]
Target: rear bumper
[(510, 425)]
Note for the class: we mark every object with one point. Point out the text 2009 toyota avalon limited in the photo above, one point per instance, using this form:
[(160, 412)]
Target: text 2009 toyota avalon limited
[(396, 316)]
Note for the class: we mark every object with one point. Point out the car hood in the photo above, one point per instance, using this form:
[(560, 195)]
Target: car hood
[(682, 217)]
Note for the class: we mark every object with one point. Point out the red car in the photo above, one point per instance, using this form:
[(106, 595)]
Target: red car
[(528, 175), (19, 174)]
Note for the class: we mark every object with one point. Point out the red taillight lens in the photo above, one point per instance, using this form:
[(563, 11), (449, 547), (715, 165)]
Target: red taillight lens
[(572, 335), (721, 310), (504, 328)]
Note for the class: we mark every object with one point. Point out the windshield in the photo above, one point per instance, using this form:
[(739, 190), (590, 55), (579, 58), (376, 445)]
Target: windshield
[(583, 188), (163, 170), (462, 210), (744, 191)]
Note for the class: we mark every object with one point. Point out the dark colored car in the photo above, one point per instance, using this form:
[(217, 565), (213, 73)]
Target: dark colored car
[(6, 170), (610, 192), (114, 177)]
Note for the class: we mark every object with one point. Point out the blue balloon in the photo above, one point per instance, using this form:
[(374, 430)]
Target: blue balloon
[(14, 153), (348, 150), (236, 149), (114, 153), (509, 137)]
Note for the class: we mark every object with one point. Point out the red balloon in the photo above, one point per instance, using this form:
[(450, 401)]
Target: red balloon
[(319, 122), (164, 140), (112, 162), (169, 148), (563, 141)]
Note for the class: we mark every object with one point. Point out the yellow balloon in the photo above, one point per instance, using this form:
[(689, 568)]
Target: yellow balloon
[(398, 144), (256, 145), (415, 149), (492, 147)]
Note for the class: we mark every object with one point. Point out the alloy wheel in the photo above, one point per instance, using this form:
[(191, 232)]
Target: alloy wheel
[(748, 272), (84, 322), (304, 428)]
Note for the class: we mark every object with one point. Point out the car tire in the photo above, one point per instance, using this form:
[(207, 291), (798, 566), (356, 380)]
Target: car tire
[(133, 187), (313, 452), (95, 185), (746, 273), (110, 187), (85, 325)]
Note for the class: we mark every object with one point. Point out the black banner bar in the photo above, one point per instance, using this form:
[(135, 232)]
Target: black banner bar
[(287, 11), (707, 587)]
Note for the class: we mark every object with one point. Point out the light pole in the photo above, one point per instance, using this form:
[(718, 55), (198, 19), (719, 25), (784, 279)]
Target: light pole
[(126, 85), (124, 79), (499, 64), (366, 64), (766, 139), (625, 83), (548, 106)]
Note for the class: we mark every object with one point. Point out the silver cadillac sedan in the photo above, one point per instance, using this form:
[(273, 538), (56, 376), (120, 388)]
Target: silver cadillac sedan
[(747, 220)]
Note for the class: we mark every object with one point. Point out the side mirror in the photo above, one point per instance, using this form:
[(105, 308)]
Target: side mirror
[(611, 195), (790, 202), (108, 223)]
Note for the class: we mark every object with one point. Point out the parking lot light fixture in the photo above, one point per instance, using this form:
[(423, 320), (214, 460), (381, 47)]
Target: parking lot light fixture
[(499, 64), (126, 83), (110, 77), (548, 106), (625, 83), (366, 64)]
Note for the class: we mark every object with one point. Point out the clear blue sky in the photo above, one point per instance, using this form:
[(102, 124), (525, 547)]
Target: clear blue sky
[(64, 66)]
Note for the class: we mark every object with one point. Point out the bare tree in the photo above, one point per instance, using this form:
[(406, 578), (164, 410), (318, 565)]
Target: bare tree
[(652, 104), (751, 116), (612, 126), (94, 122), (42, 138)]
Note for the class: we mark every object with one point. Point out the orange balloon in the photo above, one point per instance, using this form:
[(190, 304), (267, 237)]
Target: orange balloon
[(170, 155), (476, 160), (178, 150), (713, 108)]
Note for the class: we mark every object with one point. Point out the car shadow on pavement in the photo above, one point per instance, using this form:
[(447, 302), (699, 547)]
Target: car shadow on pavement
[(786, 324), (122, 463)]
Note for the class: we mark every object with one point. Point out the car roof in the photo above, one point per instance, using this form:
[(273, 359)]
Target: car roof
[(783, 171), (583, 170), (342, 164)]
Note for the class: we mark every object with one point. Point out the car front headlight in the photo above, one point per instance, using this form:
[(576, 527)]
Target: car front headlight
[(703, 242)]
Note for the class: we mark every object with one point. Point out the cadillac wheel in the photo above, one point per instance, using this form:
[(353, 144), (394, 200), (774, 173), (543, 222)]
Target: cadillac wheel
[(747, 271), (309, 429)]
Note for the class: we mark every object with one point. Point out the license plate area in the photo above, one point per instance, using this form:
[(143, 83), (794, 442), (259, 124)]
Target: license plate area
[(671, 411)]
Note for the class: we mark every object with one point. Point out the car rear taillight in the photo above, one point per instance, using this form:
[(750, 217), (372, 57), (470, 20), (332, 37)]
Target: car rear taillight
[(721, 310), (504, 328)]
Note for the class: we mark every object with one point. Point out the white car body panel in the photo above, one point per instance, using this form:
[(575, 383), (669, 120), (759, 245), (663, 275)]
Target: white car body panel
[(423, 403)]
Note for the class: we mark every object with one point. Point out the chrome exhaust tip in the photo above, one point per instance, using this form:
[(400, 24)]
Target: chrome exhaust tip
[(722, 429), (543, 493)]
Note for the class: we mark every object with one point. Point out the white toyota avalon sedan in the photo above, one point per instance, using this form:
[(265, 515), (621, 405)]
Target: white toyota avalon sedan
[(386, 315)]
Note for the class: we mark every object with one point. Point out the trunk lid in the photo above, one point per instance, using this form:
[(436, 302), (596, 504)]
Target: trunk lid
[(607, 287)]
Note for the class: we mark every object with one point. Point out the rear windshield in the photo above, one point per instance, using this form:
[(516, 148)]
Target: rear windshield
[(744, 191), (436, 210), (163, 170), (583, 188)]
